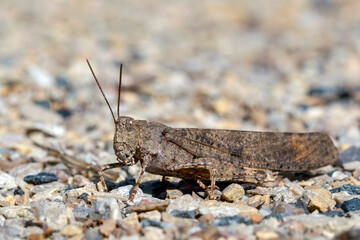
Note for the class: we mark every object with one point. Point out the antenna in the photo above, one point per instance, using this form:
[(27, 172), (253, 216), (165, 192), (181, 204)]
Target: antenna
[(97, 82), (118, 106)]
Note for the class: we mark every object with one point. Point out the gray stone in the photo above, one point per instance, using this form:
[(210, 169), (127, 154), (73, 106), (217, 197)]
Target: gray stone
[(183, 203), (81, 213), (350, 158), (350, 189), (93, 234), (124, 192), (7, 181), (26, 169), (233, 192), (23, 212), (46, 190), (54, 213), (105, 208)]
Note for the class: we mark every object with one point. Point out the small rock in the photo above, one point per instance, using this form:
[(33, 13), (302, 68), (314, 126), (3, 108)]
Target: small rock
[(107, 227), (266, 235), (339, 175), (350, 189), (132, 220), (225, 221), (71, 231), (46, 190), (7, 181), (224, 209), (153, 233), (181, 222), (286, 209), (145, 206), (4, 203), (333, 213), (55, 213), (173, 193), (255, 201), (153, 215), (155, 223), (81, 213), (26, 169), (33, 230), (13, 212), (40, 178), (277, 216), (284, 194), (350, 158), (124, 192), (233, 192), (302, 205), (295, 188), (341, 197), (183, 203), (319, 199), (105, 208), (18, 191), (79, 181), (10, 199), (351, 205), (183, 214), (93, 234)]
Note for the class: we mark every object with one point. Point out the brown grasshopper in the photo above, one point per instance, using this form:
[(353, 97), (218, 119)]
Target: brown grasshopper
[(213, 154)]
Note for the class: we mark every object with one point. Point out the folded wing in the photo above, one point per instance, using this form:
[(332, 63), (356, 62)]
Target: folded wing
[(265, 150)]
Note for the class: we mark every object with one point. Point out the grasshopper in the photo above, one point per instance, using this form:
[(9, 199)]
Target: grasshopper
[(213, 154)]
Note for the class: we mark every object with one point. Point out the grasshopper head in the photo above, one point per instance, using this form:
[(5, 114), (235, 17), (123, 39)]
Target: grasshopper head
[(126, 140)]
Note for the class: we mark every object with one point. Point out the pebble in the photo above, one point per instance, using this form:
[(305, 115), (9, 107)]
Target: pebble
[(284, 194), (93, 234), (7, 181), (17, 212), (55, 213), (153, 233), (153, 215), (333, 213), (71, 231), (132, 220), (46, 190), (81, 213), (225, 221), (351, 205), (124, 192), (183, 203), (350, 189), (173, 193), (18, 191), (40, 178), (257, 201), (320, 199), (267, 235), (286, 209), (350, 158), (79, 181), (233, 192), (105, 208), (224, 209), (183, 214), (107, 227), (26, 169), (155, 223)]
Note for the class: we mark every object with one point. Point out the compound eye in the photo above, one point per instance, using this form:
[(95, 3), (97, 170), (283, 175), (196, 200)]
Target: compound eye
[(129, 126)]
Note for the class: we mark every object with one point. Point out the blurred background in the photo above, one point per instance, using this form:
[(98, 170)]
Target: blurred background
[(249, 65)]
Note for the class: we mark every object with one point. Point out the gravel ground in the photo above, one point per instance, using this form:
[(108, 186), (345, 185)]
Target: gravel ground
[(259, 66)]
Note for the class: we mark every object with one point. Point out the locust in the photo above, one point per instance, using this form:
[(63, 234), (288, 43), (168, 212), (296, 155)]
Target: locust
[(212, 154)]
